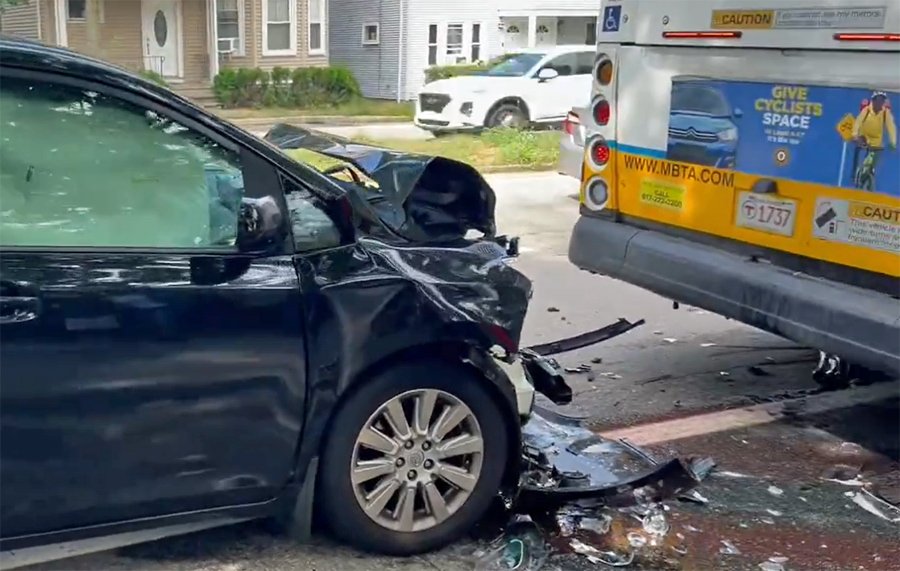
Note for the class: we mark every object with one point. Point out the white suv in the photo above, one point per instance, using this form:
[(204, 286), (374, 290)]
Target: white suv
[(533, 86)]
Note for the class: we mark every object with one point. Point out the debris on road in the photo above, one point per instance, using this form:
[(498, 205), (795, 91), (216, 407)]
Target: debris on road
[(707, 345), (670, 340), (876, 506), (552, 310), (775, 491), (728, 548), (584, 495), (580, 369)]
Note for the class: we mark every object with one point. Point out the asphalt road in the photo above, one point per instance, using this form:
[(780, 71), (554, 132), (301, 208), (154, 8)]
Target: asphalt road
[(736, 394)]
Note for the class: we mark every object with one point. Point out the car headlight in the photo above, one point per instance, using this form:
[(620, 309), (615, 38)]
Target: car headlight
[(728, 135)]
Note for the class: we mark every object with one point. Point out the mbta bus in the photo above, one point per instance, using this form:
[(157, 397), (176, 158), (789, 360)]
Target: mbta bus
[(742, 157)]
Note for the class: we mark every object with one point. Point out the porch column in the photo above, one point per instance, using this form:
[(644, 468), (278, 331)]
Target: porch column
[(212, 33), (532, 31), (61, 29)]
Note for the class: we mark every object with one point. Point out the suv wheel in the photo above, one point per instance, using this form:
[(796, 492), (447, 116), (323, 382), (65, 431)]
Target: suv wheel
[(414, 459), (508, 115)]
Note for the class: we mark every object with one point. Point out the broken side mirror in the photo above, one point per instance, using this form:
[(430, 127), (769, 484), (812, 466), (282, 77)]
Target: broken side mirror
[(261, 224)]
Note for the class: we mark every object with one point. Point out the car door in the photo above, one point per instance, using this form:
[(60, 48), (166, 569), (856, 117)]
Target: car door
[(572, 87), (147, 366)]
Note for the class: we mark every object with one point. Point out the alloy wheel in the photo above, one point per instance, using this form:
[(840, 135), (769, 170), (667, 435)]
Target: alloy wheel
[(417, 460)]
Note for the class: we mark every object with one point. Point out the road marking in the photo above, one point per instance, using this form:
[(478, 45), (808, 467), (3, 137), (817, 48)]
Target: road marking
[(708, 423)]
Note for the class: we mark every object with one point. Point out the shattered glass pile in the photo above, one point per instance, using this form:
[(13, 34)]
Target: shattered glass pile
[(596, 500)]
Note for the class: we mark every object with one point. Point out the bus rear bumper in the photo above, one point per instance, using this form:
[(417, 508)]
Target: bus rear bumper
[(859, 325)]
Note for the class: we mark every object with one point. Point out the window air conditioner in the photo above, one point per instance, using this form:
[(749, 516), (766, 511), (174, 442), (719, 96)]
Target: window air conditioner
[(228, 45)]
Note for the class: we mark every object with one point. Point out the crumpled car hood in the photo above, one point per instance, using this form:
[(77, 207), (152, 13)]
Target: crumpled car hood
[(422, 198)]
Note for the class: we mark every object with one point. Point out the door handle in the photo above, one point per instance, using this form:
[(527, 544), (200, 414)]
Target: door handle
[(19, 302)]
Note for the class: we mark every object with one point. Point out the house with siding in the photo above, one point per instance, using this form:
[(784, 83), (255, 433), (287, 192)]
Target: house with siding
[(388, 44), (185, 41)]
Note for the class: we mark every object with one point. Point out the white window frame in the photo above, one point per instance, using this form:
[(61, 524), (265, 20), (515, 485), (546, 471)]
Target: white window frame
[(323, 27), (473, 43), (242, 34), (81, 20), (377, 40), (462, 41), (292, 13), (436, 45)]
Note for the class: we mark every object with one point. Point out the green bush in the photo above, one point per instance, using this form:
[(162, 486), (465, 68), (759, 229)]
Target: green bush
[(154, 77), (304, 87), (437, 72)]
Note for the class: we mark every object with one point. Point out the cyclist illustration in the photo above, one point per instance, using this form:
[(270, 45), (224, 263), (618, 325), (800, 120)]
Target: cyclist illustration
[(869, 131)]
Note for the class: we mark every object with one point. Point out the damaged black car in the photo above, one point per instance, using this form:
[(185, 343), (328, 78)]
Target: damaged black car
[(199, 329)]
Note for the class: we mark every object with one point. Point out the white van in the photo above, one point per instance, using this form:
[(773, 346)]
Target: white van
[(742, 157)]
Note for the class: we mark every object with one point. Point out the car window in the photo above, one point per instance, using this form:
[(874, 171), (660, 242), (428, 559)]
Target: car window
[(312, 227), (564, 64), (584, 63), (515, 65), (83, 169)]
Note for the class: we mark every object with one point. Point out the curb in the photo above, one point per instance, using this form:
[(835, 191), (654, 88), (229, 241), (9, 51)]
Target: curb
[(331, 120), (504, 169)]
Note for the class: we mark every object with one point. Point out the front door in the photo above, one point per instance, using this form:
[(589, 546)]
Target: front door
[(552, 99), (147, 366), (161, 31)]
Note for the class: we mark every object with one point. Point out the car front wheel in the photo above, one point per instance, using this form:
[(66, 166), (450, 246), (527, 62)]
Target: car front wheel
[(508, 115), (413, 460)]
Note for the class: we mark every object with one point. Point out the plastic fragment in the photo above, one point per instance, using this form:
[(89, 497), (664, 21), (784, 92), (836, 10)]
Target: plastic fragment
[(702, 467), (876, 506), (724, 374), (706, 345), (594, 555), (636, 540), (729, 548), (694, 496), (599, 525), (775, 491), (775, 513), (655, 524), (670, 340), (771, 566)]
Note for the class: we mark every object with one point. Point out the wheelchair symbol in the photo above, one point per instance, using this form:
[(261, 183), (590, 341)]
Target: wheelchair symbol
[(612, 19)]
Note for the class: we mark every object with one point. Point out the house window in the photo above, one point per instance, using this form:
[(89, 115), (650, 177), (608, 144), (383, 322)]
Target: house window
[(476, 42), (432, 44), (77, 10), (371, 35), (230, 20), (280, 30), (317, 11), (454, 39)]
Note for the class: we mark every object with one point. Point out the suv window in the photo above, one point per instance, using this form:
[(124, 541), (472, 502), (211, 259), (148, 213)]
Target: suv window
[(82, 169), (577, 63)]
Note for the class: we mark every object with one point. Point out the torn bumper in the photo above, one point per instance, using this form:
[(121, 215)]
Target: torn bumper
[(565, 463)]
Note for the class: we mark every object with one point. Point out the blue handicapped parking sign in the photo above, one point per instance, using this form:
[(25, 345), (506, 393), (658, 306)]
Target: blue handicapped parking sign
[(612, 17)]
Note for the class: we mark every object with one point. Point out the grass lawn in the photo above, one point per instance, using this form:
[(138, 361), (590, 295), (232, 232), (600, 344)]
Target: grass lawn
[(355, 108), (495, 148)]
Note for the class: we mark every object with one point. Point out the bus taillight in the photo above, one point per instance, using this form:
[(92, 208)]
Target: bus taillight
[(598, 152), (596, 194), (601, 111), (603, 69)]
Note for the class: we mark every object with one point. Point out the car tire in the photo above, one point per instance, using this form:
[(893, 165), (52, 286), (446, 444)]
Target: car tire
[(508, 115), (435, 523)]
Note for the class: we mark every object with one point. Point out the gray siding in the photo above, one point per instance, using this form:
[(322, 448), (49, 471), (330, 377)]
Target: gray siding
[(22, 21), (375, 66)]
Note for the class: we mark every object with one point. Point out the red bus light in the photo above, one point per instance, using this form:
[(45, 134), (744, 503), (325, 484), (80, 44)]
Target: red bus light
[(599, 152), (602, 112)]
